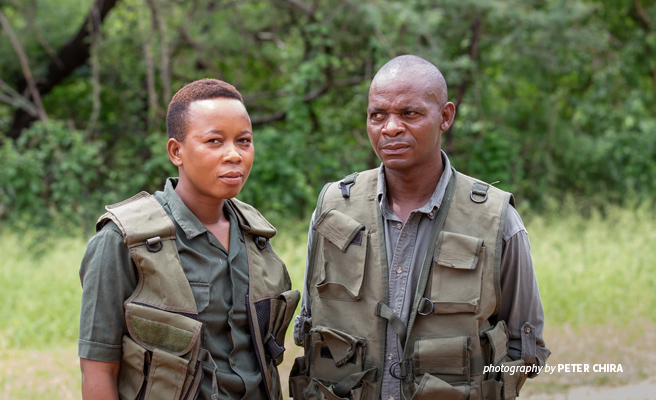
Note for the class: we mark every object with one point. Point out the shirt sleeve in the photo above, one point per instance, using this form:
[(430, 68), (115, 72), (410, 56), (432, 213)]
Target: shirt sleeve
[(521, 306), (108, 278)]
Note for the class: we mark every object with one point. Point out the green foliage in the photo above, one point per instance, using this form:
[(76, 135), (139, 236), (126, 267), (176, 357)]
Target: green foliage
[(554, 98), (47, 173)]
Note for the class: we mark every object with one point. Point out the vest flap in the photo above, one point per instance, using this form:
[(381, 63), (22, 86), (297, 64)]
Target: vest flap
[(338, 228), (251, 221), (153, 328), (457, 251)]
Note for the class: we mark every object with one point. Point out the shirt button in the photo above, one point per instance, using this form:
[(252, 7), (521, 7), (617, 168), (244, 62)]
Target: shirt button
[(390, 398), (399, 225), (399, 270), (527, 330), (233, 361), (390, 356), (230, 314)]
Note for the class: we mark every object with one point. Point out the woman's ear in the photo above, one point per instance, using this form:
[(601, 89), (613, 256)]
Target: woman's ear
[(174, 148)]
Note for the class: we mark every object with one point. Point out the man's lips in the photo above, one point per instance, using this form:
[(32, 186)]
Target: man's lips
[(395, 148)]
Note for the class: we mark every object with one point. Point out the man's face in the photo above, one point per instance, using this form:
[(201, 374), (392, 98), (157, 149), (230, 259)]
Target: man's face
[(404, 122), (217, 153)]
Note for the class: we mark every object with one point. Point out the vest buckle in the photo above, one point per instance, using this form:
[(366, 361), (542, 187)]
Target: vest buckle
[(260, 242), (392, 370), (154, 244), (479, 189), (346, 188)]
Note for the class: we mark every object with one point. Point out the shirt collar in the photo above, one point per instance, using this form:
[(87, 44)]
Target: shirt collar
[(189, 223), (435, 200)]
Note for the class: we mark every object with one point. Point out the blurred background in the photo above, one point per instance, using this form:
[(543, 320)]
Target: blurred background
[(556, 101)]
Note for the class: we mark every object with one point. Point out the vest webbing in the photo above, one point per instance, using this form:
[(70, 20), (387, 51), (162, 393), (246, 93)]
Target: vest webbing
[(447, 340)]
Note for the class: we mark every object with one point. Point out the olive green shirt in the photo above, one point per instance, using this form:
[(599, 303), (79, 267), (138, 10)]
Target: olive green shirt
[(219, 282)]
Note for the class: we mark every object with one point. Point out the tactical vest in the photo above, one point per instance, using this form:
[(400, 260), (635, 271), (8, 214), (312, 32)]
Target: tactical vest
[(162, 357), (449, 338)]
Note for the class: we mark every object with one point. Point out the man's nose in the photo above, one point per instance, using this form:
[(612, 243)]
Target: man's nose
[(393, 126)]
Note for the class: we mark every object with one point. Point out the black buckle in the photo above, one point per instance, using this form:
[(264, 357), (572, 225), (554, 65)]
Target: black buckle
[(346, 188), (392, 369), (154, 244), (260, 242)]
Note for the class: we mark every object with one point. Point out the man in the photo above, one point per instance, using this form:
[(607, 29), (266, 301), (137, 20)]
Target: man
[(419, 278), (173, 300)]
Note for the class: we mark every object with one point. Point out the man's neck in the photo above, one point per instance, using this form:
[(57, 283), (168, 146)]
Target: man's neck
[(410, 190)]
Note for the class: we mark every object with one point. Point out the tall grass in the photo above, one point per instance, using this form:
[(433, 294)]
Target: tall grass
[(39, 289), (598, 269)]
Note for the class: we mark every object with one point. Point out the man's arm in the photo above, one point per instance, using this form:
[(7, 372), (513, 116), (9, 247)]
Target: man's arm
[(99, 379), (521, 306)]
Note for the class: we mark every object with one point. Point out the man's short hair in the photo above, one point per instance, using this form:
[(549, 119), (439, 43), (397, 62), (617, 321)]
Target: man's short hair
[(203, 89)]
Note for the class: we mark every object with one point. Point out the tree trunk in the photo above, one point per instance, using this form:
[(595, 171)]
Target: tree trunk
[(72, 55)]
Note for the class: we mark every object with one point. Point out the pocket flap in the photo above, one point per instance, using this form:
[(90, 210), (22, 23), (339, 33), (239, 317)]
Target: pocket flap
[(340, 229), (458, 251), (342, 346), (158, 329), (449, 356)]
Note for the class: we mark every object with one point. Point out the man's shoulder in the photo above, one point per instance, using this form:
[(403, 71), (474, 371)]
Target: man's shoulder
[(482, 187), (359, 181)]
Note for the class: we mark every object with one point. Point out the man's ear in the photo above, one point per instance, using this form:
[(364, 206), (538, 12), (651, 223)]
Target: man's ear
[(448, 114), (174, 149)]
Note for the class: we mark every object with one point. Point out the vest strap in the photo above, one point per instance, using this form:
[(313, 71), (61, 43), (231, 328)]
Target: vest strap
[(383, 310), (347, 384)]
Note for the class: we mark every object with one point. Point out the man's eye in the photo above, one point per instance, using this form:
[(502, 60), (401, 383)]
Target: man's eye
[(376, 116), (410, 113), (214, 141), (245, 141)]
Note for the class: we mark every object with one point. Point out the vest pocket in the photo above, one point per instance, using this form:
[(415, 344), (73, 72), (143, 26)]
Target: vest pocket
[(512, 382), (342, 248), (457, 274), (431, 388), (131, 375), (166, 376), (282, 312), (443, 356), (335, 354)]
